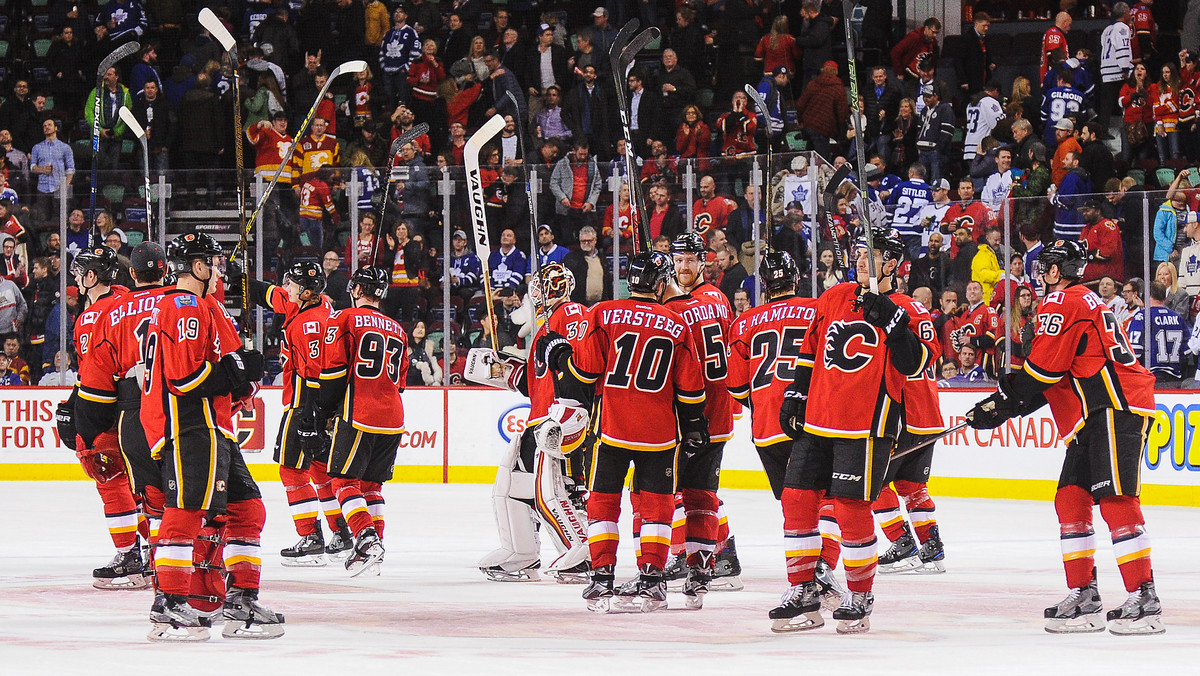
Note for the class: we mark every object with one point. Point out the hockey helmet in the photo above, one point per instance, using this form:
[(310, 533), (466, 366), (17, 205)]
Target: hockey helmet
[(778, 271), (689, 242), (887, 242), (148, 255), (647, 269), (373, 281), (1070, 257), (551, 286), (308, 275), (100, 260), (184, 249)]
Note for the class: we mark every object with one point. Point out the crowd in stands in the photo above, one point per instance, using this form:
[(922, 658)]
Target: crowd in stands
[(1060, 136)]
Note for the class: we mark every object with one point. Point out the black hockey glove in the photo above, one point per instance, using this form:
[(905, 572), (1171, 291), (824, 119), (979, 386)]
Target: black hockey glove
[(695, 435), (992, 412), (791, 413), (64, 418), (880, 311), (242, 368), (553, 349), (310, 431), (233, 273)]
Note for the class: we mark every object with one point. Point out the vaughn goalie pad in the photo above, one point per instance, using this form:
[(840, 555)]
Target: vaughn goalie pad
[(512, 494), (487, 367)]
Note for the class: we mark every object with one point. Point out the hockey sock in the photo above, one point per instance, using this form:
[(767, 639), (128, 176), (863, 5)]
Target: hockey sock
[(801, 536), (143, 527), (206, 592), (656, 529), (319, 473), (302, 499), (153, 503), (888, 515), (1131, 545), (604, 511), (679, 528), (722, 526), (243, 531), (120, 512), (701, 509), (173, 556), (919, 506), (373, 493), (1074, 508), (354, 506), (635, 502), (858, 542), (831, 534)]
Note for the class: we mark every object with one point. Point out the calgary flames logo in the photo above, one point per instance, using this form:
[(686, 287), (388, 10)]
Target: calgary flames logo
[(848, 345)]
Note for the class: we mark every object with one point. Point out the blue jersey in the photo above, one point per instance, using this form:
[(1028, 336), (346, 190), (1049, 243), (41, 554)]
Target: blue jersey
[(908, 199), (1058, 103), (508, 270), (1168, 337)]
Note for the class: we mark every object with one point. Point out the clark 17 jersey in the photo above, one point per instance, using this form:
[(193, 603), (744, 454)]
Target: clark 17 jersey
[(640, 354), (570, 321), (367, 349), (1082, 352), (116, 346), (708, 317), (855, 391), (300, 349), (764, 343)]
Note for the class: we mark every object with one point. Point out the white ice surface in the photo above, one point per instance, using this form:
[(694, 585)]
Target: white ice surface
[(432, 611)]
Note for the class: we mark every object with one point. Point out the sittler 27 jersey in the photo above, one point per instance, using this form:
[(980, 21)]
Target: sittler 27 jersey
[(364, 357), (855, 391), (115, 352), (300, 350), (643, 353), (708, 317), (570, 321), (764, 344), (1081, 351)]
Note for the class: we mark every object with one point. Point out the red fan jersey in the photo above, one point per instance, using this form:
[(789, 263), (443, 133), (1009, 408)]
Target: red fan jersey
[(269, 149), (1104, 238), (312, 154), (1053, 39), (569, 320), (1143, 25), (1081, 349), (316, 200), (367, 349), (974, 215), (855, 391), (116, 345), (709, 318), (641, 354), (981, 320), (300, 349), (764, 343), (711, 214)]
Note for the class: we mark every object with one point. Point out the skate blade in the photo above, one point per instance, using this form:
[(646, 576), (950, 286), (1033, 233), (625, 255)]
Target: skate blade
[(165, 632), (252, 632), (727, 583), (693, 601), (1084, 624), (929, 568), (121, 583), (901, 566), (1150, 624), (636, 604), (601, 605), (831, 601), (308, 561), (356, 568), (567, 578), (854, 626), (802, 622), (515, 576)]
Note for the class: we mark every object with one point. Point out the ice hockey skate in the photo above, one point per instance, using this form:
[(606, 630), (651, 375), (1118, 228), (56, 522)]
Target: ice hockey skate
[(1140, 614), (503, 565), (799, 609), (854, 615), (1078, 613), (341, 545), (172, 620), (644, 594), (309, 552), (696, 586), (599, 592), (932, 555), (675, 572), (572, 566), (831, 589), (125, 571), (901, 556), (368, 554), (246, 618), (727, 570)]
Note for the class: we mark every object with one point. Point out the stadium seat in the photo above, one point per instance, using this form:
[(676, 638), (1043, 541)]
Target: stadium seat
[(1138, 175), (41, 48), (1164, 176), (114, 193)]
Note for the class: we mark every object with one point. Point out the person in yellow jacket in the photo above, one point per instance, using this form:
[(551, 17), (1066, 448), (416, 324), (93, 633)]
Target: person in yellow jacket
[(985, 266), (378, 21)]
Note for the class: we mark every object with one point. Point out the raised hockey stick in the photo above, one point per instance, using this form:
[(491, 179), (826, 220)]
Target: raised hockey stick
[(855, 116), (409, 136), (929, 440), (348, 67), (829, 203), (533, 225), (761, 104), (97, 108), (136, 127), (479, 211), (620, 60)]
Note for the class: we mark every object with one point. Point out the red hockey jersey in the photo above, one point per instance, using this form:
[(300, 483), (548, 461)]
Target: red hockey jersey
[(116, 345), (269, 149), (981, 320), (764, 343), (641, 355), (367, 349), (708, 319), (713, 214), (1082, 351), (568, 320), (300, 349)]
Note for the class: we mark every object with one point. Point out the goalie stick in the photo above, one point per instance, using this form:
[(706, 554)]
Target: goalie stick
[(97, 107), (138, 131), (622, 53), (404, 138), (855, 116), (533, 225), (479, 211)]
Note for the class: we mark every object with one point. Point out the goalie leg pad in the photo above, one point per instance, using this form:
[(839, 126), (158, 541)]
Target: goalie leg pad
[(554, 505), (511, 497)]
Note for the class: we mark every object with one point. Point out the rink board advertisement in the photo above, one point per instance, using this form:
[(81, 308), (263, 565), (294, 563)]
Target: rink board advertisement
[(459, 434)]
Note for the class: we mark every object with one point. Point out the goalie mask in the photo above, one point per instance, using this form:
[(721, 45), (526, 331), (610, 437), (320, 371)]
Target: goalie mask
[(550, 287)]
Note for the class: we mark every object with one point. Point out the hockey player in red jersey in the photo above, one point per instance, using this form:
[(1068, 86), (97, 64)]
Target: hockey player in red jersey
[(94, 271), (363, 373), (640, 354), (305, 475), (978, 327), (862, 343), (191, 374), (1102, 401), (531, 479)]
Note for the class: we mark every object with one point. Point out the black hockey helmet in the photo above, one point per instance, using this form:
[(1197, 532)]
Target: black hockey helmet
[(689, 242), (148, 255), (649, 268), (308, 275), (887, 242), (373, 281), (1070, 257), (184, 249), (100, 260), (778, 271)]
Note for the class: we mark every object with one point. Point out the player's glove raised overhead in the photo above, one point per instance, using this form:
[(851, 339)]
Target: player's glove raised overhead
[(791, 413), (880, 311), (553, 349)]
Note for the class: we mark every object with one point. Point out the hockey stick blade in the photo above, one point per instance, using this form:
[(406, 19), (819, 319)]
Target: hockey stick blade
[(925, 442), (637, 44), (116, 55), (760, 103), (622, 38), (355, 66), (217, 29), (475, 184), (131, 122)]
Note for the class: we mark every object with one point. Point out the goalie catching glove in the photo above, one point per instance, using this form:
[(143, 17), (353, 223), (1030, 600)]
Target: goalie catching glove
[(563, 430)]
